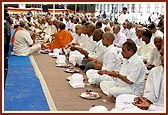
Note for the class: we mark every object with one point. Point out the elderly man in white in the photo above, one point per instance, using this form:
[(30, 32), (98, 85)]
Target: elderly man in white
[(110, 61), (120, 37), (24, 43), (130, 78), (139, 29), (155, 32), (75, 57), (153, 96), (49, 31), (131, 31), (154, 59)]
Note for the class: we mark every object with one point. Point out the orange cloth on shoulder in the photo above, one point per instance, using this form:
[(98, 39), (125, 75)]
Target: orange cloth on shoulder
[(13, 37), (62, 38)]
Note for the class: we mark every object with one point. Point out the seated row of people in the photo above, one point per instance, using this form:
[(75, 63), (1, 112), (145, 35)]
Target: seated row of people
[(102, 52)]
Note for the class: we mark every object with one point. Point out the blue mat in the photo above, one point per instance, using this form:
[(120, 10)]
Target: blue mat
[(23, 91)]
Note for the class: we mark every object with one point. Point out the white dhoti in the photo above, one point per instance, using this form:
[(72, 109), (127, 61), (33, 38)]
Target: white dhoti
[(35, 49), (95, 78), (124, 103), (112, 88)]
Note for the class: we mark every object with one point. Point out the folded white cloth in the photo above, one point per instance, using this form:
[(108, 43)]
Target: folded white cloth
[(76, 81), (61, 59)]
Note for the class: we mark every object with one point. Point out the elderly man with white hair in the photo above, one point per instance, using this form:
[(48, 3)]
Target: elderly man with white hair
[(24, 43)]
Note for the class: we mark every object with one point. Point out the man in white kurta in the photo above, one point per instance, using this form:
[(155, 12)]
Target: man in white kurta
[(138, 40), (49, 31), (77, 56), (89, 45), (120, 37), (147, 46), (154, 91), (155, 32), (154, 58), (23, 44), (130, 78), (124, 16), (131, 31), (110, 62), (124, 29)]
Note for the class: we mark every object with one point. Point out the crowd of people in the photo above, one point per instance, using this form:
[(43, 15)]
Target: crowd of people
[(116, 56)]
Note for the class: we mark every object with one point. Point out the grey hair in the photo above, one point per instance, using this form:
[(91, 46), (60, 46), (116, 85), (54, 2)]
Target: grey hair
[(22, 23)]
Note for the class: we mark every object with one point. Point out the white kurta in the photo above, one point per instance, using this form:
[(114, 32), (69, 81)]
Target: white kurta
[(134, 69), (131, 34), (91, 44), (138, 42), (145, 50), (76, 57), (120, 38), (123, 17), (98, 51), (22, 44), (154, 58), (154, 91), (110, 62), (124, 31), (78, 38)]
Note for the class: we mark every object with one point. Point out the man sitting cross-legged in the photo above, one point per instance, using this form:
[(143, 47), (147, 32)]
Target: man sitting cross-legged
[(110, 61), (153, 96), (130, 78)]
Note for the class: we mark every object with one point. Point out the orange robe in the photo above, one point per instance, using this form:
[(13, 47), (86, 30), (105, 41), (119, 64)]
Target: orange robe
[(13, 37), (62, 38)]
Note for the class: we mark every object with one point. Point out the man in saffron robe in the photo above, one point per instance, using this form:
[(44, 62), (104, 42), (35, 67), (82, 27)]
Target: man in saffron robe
[(62, 38)]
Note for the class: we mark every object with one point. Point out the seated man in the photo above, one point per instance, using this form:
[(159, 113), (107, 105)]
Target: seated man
[(62, 38), (110, 61), (76, 54), (155, 32), (147, 46), (154, 59), (130, 78), (98, 50), (78, 39), (24, 43), (49, 31), (153, 97), (13, 36)]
